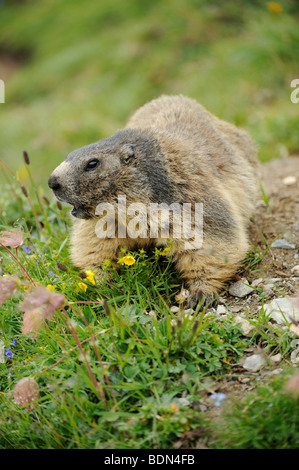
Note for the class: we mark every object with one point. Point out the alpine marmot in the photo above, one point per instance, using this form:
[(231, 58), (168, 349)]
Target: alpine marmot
[(172, 153)]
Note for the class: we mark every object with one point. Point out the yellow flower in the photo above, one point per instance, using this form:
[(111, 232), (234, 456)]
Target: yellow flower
[(50, 287), (166, 250), (30, 357), (90, 277), (274, 7), (82, 286), (107, 262), (127, 260)]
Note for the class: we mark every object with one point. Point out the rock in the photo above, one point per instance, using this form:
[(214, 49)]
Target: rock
[(276, 358), (280, 243), (282, 309), (274, 372), (174, 309), (184, 401), (244, 380), (290, 286), (246, 327), (254, 362), (221, 310), (236, 308), (203, 408), (289, 180), (257, 282), (294, 329), (267, 289), (189, 311), (240, 288), (295, 356)]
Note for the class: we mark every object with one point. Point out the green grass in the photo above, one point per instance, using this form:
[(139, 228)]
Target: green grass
[(84, 68), (265, 419)]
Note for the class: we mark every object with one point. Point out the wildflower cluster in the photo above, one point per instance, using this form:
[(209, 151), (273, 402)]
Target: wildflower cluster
[(88, 276)]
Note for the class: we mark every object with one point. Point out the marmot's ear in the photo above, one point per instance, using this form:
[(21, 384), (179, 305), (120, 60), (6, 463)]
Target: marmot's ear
[(127, 153)]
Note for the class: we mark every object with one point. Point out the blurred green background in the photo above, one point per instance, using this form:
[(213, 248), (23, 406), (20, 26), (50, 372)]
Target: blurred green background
[(75, 70)]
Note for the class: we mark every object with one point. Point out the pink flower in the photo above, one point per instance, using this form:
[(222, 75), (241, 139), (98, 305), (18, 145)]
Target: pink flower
[(44, 299), (32, 321), (39, 305), (7, 287), (13, 238), (26, 393)]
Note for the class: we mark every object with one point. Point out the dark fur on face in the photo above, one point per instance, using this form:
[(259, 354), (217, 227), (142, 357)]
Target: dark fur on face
[(128, 163)]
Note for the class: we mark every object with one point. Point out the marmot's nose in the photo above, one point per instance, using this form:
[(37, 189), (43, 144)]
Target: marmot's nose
[(53, 183)]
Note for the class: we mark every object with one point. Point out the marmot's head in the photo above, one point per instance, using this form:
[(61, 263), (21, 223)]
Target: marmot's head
[(128, 163)]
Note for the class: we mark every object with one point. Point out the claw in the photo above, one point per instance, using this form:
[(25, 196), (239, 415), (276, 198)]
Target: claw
[(204, 301)]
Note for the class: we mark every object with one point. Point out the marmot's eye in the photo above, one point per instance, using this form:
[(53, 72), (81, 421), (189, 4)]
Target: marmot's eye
[(92, 165)]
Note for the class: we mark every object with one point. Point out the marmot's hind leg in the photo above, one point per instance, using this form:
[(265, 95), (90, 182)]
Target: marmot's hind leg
[(206, 274)]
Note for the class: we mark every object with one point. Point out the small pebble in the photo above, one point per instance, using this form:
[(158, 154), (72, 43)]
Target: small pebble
[(189, 311), (276, 358), (246, 327), (244, 380), (254, 362), (236, 308), (221, 310), (240, 288), (295, 356), (294, 329), (292, 288), (267, 289), (257, 282), (174, 309), (280, 243), (289, 180)]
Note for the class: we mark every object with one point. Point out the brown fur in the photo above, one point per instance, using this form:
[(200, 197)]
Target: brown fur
[(172, 150)]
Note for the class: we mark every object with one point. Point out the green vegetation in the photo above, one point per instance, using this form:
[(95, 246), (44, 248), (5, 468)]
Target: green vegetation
[(112, 365), (83, 67), (138, 368), (265, 419)]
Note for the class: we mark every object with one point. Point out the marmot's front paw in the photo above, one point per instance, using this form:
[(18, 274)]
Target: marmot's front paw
[(204, 301)]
